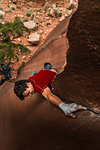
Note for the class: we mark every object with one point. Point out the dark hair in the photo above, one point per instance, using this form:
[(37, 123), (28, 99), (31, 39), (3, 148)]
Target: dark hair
[(47, 65), (20, 87)]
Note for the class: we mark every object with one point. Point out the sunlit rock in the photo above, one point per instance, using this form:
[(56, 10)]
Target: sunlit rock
[(30, 25), (68, 3), (34, 38), (62, 18), (2, 13), (46, 6)]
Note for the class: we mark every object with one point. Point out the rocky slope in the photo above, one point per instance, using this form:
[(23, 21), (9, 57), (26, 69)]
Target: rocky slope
[(41, 17)]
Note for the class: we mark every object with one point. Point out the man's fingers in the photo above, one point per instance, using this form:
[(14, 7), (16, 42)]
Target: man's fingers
[(71, 115), (81, 107)]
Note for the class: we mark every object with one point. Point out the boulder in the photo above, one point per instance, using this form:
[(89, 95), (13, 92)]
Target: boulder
[(34, 38), (69, 12), (51, 11), (62, 18), (24, 57), (68, 3), (30, 25), (2, 13), (46, 6)]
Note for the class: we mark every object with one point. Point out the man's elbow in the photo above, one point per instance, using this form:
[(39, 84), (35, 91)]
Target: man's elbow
[(46, 92)]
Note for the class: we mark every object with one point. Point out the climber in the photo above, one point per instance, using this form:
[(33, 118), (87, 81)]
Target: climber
[(41, 83), (5, 73)]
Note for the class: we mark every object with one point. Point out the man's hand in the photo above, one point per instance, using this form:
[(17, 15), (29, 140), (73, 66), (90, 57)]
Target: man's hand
[(70, 108)]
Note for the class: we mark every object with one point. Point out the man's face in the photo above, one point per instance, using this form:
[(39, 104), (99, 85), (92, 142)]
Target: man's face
[(29, 90)]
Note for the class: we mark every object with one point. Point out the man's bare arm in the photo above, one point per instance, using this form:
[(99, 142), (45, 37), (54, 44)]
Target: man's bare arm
[(68, 109), (50, 96)]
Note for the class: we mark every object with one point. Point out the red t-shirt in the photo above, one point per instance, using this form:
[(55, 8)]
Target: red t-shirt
[(42, 79)]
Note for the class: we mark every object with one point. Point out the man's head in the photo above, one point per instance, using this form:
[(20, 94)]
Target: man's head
[(47, 65), (23, 88)]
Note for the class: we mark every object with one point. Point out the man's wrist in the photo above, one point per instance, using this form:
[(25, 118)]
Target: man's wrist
[(62, 106), (67, 108)]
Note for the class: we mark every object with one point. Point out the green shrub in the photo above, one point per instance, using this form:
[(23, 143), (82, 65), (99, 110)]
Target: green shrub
[(37, 9), (19, 27), (48, 23), (60, 14), (14, 1), (23, 63), (62, 3), (9, 51), (28, 14), (8, 31), (72, 6), (1, 16), (7, 11), (57, 3), (37, 23), (8, 5), (13, 8), (1, 25), (1, 8), (56, 14), (18, 7), (10, 10), (41, 21)]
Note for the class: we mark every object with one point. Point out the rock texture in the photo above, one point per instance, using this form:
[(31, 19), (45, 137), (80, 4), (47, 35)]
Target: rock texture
[(83, 63), (36, 123)]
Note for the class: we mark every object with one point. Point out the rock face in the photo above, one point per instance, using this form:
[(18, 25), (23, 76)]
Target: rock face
[(81, 73)]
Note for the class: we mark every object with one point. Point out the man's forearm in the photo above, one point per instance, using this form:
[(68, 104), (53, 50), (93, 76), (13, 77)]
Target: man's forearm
[(50, 96), (68, 109)]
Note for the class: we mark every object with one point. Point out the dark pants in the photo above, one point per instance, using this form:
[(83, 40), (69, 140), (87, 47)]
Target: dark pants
[(3, 80)]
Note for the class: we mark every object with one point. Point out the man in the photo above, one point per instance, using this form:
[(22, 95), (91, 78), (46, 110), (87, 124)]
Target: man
[(41, 83), (5, 73)]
